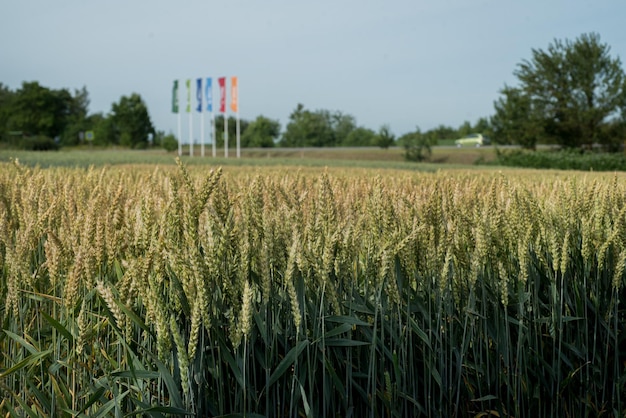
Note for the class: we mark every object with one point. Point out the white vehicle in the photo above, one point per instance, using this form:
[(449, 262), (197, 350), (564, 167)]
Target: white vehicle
[(477, 140)]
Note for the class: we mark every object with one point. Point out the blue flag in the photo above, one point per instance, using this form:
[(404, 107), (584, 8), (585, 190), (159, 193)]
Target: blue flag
[(199, 94), (209, 95)]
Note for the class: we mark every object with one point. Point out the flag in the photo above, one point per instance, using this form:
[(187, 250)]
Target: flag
[(209, 95), (175, 97), (199, 94), (188, 83), (234, 105), (222, 82)]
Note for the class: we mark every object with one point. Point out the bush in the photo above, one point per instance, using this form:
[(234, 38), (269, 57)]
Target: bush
[(417, 147), (562, 160), (169, 143), (37, 143)]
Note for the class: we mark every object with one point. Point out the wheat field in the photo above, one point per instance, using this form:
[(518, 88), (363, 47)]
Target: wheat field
[(188, 291)]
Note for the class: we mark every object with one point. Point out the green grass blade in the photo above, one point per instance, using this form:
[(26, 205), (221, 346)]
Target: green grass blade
[(343, 319), (344, 342), (338, 330), (57, 325), (28, 361), (286, 362), (31, 348), (95, 397)]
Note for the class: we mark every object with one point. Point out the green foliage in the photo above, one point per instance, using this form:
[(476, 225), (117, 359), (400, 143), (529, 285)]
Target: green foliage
[(322, 128), (343, 127), (232, 130), (169, 143), (307, 128), (6, 95), (384, 138), (37, 110), (568, 94), (516, 120), (131, 122), (78, 122), (442, 132), (417, 146), (484, 126), (446, 135), (465, 129), (360, 137), (562, 160), (261, 133), (36, 143), (103, 128)]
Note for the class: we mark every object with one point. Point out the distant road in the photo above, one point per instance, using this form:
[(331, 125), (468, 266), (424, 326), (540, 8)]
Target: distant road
[(470, 147), (306, 149)]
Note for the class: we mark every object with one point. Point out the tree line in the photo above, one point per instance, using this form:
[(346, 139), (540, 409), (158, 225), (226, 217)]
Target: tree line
[(37, 117), (572, 94)]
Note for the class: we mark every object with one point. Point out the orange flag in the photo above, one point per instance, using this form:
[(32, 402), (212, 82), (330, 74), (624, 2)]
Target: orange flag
[(234, 104)]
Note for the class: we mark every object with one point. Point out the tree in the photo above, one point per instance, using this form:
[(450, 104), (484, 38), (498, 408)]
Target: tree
[(6, 95), (322, 128), (360, 137), (131, 122), (262, 132), (516, 120), (37, 110), (343, 127), (465, 129), (441, 132), (168, 142), (103, 128), (384, 138), (483, 126), (77, 118), (308, 129), (574, 90), (417, 146)]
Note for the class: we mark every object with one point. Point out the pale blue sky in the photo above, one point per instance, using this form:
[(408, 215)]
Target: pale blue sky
[(400, 62)]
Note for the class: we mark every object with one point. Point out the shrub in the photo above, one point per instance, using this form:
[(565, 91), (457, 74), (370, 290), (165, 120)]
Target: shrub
[(169, 143), (37, 143), (417, 146), (562, 160)]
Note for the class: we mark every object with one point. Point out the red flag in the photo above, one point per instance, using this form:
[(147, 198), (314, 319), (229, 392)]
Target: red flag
[(222, 83)]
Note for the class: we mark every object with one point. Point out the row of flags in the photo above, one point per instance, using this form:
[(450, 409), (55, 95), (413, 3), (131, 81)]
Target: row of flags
[(208, 94)]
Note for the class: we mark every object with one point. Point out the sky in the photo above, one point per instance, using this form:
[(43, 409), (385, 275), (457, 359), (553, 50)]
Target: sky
[(404, 63)]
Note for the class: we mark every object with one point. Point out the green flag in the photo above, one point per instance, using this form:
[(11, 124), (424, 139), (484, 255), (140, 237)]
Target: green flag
[(175, 97), (188, 95)]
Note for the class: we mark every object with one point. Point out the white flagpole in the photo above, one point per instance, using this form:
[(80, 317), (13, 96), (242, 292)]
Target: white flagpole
[(238, 135), (209, 108), (238, 141), (213, 137), (202, 134), (191, 132), (180, 137), (225, 133)]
